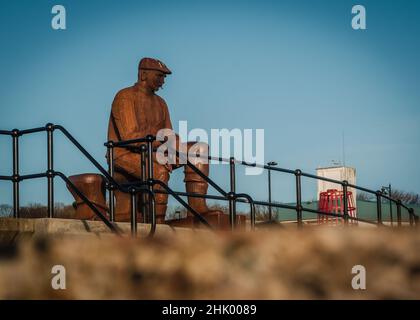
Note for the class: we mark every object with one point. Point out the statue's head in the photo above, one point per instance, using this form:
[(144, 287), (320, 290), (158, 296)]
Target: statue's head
[(152, 73)]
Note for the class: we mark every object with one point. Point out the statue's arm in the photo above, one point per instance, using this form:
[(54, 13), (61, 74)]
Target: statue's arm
[(168, 123), (125, 118)]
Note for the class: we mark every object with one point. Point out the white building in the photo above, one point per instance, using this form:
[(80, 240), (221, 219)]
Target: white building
[(339, 173)]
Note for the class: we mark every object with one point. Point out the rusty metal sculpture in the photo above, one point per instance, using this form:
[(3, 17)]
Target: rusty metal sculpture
[(93, 186), (137, 112)]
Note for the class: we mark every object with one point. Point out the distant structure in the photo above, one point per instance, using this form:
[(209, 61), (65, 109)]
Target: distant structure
[(337, 173)]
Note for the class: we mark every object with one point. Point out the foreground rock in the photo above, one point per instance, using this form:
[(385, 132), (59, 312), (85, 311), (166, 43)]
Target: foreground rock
[(271, 264)]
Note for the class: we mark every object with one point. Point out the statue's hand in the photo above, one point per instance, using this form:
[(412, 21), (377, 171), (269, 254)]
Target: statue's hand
[(169, 167)]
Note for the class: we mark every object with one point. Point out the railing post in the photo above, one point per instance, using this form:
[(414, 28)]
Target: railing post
[(152, 207), (399, 213), (133, 215), (111, 199), (270, 215), (143, 178), (390, 205), (345, 204), (150, 171), (379, 207), (298, 174), (411, 213), (50, 170), (16, 178), (232, 200)]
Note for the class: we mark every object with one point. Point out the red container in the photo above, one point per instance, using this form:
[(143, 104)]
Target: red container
[(331, 201)]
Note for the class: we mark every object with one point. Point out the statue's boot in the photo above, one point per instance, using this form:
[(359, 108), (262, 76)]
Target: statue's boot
[(123, 200), (196, 184), (162, 174)]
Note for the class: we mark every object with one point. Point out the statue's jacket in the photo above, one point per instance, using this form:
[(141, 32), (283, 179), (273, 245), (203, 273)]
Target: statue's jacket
[(135, 114)]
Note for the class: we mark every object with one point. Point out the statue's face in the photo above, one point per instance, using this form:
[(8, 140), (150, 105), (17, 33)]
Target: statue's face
[(154, 79)]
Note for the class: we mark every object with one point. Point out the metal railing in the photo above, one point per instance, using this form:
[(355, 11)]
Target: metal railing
[(50, 174), (344, 185), (146, 184), (233, 197), (147, 149)]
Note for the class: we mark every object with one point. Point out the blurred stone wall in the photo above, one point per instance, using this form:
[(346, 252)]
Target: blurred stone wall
[(313, 263)]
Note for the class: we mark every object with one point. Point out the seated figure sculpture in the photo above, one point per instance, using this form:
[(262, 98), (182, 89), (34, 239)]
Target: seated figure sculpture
[(137, 111)]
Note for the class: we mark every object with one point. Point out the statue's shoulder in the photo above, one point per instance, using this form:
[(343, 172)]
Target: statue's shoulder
[(126, 93), (160, 99)]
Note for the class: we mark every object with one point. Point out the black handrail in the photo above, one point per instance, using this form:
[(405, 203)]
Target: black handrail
[(112, 184), (51, 173), (87, 154), (252, 206), (342, 183), (231, 196), (264, 203), (181, 201), (89, 203), (298, 173), (134, 190), (150, 182)]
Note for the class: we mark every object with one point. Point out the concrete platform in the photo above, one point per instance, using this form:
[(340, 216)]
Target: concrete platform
[(14, 229)]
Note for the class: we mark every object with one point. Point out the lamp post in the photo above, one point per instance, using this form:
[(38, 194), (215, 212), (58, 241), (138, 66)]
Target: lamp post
[(270, 164), (384, 189)]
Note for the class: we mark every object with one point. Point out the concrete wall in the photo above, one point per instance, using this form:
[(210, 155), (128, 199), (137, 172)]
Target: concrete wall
[(12, 229)]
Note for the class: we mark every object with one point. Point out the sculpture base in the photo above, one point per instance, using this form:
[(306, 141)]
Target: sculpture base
[(219, 221)]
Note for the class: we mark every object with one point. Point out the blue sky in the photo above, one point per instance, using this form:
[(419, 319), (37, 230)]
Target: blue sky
[(294, 68)]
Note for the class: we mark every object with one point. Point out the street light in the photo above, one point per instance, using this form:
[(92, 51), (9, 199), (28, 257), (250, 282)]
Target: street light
[(384, 189), (270, 164)]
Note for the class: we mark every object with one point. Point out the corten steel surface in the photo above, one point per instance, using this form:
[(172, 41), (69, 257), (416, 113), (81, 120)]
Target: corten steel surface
[(137, 111), (93, 187)]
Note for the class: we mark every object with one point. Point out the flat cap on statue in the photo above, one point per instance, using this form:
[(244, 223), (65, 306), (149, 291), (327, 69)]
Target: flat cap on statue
[(153, 64)]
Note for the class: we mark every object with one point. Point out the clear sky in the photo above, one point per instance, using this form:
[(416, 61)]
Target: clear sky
[(294, 68)]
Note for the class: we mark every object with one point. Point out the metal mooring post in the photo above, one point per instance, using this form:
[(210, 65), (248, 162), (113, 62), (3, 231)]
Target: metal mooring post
[(232, 200), (50, 170), (298, 174), (16, 177)]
